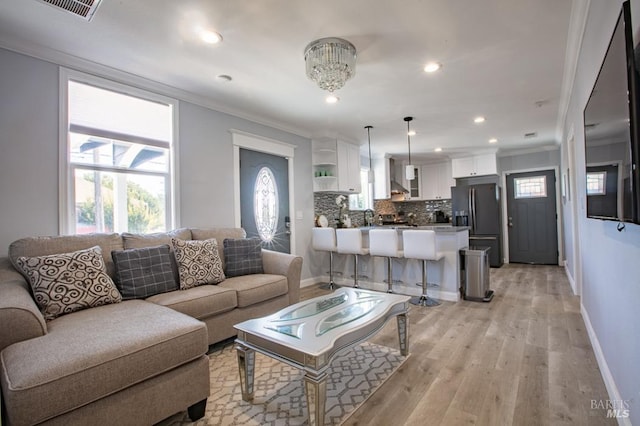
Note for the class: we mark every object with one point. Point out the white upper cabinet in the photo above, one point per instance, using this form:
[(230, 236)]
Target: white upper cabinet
[(414, 186), (382, 182), (349, 168), (477, 165), (436, 181), (336, 166)]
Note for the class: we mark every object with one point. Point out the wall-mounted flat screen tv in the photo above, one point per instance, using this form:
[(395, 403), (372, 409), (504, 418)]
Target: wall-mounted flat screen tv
[(611, 131)]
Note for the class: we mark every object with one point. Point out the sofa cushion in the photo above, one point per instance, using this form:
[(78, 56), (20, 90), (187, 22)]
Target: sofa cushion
[(256, 288), (198, 262), (219, 234), (143, 272), (68, 282), (131, 241), (41, 246), (243, 256), (199, 302), (93, 353)]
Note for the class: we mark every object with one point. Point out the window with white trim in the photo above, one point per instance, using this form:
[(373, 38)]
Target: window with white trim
[(119, 150), (363, 200), (530, 187), (597, 183)]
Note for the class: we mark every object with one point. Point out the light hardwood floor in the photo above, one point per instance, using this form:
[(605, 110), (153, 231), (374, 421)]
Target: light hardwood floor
[(522, 359)]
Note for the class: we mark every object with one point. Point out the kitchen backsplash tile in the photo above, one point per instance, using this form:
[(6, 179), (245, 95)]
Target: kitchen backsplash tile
[(325, 203)]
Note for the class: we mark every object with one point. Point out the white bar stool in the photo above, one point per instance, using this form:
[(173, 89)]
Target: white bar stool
[(324, 239), (350, 242), (385, 242), (421, 244)]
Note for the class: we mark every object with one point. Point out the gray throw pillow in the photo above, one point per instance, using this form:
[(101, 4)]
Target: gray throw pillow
[(198, 262), (143, 272), (68, 282), (242, 256)]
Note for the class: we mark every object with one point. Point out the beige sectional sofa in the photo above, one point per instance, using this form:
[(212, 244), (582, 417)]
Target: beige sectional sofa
[(130, 363)]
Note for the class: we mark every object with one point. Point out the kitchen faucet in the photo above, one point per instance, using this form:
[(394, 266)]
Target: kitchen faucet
[(368, 215)]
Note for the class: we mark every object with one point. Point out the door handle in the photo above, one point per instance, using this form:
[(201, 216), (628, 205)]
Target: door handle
[(510, 222)]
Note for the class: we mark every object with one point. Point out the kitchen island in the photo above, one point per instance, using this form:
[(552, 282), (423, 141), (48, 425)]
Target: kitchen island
[(445, 273)]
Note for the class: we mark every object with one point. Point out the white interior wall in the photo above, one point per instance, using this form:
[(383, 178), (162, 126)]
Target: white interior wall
[(610, 274), (29, 158)]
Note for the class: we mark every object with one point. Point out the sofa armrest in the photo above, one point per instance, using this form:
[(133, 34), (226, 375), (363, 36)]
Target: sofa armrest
[(285, 264), (19, 315)]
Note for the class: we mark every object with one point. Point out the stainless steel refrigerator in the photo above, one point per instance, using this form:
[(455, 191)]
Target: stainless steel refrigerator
[(478, 206)]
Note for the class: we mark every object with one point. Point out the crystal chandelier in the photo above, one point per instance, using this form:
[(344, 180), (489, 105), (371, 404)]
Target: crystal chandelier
[(330, 62)]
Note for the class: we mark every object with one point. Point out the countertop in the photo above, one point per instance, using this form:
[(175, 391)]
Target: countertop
[(434, 227)]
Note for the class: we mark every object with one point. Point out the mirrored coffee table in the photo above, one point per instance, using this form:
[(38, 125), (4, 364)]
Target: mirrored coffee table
[(309, 334)]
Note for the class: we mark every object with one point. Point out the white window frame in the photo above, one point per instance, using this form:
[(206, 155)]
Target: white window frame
[(518, 196), (66, 210), (603, 190), (368, 192)]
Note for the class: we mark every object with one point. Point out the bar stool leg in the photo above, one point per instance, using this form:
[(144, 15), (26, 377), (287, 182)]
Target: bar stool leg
[(332, 285), (389, 276), (355, 271), (424, 300)]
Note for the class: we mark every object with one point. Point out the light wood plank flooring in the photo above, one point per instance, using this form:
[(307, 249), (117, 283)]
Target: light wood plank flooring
[(522, 359)]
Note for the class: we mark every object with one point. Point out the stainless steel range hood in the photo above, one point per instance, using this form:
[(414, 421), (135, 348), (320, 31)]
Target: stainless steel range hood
[(396, 188)]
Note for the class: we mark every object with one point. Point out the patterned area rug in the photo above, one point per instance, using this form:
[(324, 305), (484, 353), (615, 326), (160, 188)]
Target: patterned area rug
[(279, 389)]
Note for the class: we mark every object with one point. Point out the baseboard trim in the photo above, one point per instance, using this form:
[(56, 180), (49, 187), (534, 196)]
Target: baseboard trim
[(311, 281), (572, 282), (609, 382)]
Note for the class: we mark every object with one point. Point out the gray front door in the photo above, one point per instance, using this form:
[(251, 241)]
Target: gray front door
[(264, 199), (531, 218)]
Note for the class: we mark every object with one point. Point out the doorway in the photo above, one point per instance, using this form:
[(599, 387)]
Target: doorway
[(532, 217), (264, 199)]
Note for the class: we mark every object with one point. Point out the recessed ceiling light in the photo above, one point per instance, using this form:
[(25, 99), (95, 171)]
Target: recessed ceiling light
[(432, 67), (210, 37), (438, 149), (331, 99), (224, 77), (493, 140), (411, 132), (478, 120)]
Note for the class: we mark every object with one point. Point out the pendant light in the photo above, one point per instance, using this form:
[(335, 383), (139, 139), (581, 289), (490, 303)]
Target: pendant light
[(410, 169), (371, 178)]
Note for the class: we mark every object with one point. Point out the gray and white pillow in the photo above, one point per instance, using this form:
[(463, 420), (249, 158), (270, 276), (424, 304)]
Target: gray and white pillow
[(198, 262), (68, 282), (143, 272), (242, 256)]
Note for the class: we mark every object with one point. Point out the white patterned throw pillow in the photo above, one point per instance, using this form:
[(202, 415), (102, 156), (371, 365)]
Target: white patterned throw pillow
[(68, 282), (198, 262)]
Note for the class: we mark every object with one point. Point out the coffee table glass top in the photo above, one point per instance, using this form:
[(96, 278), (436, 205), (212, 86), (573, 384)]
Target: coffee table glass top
[(314, 324)]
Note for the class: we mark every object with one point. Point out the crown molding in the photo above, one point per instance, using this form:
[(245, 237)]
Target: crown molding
[(79, 64), (577, 24)]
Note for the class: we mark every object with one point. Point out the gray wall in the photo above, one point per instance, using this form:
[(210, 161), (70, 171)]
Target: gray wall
[(610, 266), (28, 148), (29, 158), (533, 160)]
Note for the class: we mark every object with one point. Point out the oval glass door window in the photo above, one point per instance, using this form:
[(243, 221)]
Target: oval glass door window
[(265, 204)]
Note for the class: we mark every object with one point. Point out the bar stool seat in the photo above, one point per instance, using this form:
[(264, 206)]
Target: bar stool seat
[(349, 241), (324, 239), (385, 242), (421, 245)]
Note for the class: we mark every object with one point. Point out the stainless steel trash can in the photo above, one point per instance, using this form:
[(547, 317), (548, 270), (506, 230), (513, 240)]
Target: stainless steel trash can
[(475, 274)]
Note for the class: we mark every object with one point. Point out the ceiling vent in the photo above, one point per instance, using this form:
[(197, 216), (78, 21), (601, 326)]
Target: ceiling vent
[(82, 8)]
